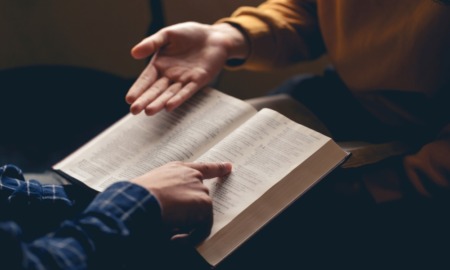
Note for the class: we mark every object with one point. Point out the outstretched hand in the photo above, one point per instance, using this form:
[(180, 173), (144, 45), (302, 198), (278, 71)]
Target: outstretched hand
[(185, 58)]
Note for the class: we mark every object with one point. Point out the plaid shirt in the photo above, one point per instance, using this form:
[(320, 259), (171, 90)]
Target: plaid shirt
[(106, 234)]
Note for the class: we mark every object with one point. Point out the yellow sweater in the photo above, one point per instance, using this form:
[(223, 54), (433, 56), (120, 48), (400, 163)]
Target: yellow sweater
[(375, 45)]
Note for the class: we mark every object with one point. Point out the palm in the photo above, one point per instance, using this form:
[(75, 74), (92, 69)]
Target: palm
[(185, 61), (187, 58)]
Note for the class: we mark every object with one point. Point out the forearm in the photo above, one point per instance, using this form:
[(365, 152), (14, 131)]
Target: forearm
[(279, 33)]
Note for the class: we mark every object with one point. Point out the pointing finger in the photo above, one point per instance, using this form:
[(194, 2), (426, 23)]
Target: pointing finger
[(211, 170)]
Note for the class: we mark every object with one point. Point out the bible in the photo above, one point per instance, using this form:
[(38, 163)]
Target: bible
[(275, 160)]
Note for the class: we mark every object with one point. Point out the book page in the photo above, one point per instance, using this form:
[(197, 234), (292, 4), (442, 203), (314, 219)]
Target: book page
[(263, 150), (137, 144)]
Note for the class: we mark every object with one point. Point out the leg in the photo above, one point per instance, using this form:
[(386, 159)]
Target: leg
[(331, 101), (291, 108)]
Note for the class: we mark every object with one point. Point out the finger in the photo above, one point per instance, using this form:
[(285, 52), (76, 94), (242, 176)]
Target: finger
[(211, 170), (150, 45), (150, 95), (202, 231), (184, 94), (180, 238), (145, 80), (160, 102)]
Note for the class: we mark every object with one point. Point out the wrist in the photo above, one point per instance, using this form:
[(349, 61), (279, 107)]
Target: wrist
[(234, 40)]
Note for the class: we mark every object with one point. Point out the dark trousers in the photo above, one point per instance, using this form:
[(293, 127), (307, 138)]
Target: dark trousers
[(329, 99)]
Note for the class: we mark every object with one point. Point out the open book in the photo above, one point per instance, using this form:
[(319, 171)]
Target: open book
[(275, 160)]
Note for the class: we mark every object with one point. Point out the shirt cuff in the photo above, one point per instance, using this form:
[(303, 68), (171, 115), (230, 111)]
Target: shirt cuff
[(132, 207)]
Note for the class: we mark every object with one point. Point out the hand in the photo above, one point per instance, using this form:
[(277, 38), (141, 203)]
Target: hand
[(186, 57), (184, 200)]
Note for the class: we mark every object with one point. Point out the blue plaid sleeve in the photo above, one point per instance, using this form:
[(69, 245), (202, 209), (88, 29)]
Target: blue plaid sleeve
[(120, 219), (14, 190)]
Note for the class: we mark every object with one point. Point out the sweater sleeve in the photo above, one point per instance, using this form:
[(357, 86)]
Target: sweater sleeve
[(280, 32)]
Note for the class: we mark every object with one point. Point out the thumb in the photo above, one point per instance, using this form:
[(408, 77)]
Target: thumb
[(149, 45), (201, 232)]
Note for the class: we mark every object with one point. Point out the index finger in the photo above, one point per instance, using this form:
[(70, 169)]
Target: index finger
[(211, 169)]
